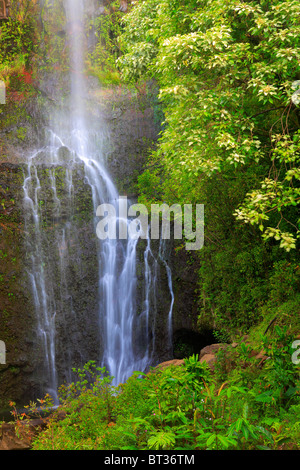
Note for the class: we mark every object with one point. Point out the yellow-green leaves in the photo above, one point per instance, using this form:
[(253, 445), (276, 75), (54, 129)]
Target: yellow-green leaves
[(270, 202), (228, 74)]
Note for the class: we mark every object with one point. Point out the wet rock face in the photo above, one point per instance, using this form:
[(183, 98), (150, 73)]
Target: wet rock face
[(20, 437), (159, 301), (70, 266), (128, 129), (71, 276), (131, 135), (15, 304), (73, 286), (129, 132)]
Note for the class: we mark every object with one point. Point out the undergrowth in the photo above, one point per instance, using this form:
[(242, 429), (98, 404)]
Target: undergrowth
[(243, 404)]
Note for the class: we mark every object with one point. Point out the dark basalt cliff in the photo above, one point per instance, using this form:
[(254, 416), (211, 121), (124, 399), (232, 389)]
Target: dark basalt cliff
[(131, 130)]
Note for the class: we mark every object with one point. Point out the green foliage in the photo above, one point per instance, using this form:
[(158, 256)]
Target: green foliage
[(17, 33), (18, 48), (16, 41), (52, 54), (282, 375), (182, 407), (228, 74), (102, 60), (284, 282), (275, 195), (141, 33), (228, 77)]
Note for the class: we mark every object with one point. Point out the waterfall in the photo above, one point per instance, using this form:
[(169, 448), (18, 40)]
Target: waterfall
[(124, 331), (164, 258), (117, 258)]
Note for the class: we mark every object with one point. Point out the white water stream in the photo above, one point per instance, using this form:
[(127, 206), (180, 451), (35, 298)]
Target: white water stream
[(119, 323)]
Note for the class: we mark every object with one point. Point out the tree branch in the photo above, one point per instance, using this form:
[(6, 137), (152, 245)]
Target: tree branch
[(267, 111)]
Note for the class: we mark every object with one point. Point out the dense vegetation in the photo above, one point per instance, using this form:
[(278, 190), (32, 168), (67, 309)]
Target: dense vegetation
[(18, 46), (228, 74), (183, 407)]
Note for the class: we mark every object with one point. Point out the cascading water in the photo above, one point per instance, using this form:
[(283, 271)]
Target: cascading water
[(117, 259), (163, 256), (124, 335)]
